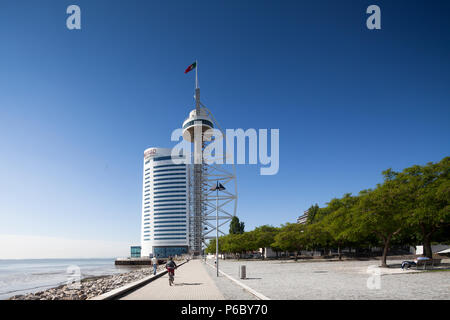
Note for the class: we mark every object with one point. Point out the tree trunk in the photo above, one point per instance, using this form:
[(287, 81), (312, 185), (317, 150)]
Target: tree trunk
[(385, 251), (263, 252), (339, 252), (427, 251), (296, 255), (387, 241)]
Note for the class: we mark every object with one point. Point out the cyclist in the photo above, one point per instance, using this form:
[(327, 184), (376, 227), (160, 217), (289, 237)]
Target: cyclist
[(170, 266)]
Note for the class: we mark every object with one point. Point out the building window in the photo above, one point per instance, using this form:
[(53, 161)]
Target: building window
[(171, 226), (167, 158), (193, 122), (135, 252), (180, 194), (170, 204), (156, 201), (182, 183), (183, 187), (170, 174), (167, 179), (173, 217), (170, 170), (174, 238), (166, 223), (168, 209), (166, 213), (169, 166), (165, 252)]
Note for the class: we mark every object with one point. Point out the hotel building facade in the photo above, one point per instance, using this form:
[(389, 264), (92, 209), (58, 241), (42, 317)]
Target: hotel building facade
[(165, 205)]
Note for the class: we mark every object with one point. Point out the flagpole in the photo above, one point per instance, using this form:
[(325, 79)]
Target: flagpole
[(197, 89), (196, 77)]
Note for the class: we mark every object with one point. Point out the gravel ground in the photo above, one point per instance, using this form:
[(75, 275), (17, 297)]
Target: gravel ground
[(229, 289), (337, 280)]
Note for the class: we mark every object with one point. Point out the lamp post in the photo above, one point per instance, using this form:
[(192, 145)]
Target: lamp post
[(217, 188)]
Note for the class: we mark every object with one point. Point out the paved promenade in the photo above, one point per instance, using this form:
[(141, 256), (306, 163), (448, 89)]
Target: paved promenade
[(339, 280), (192, 282)]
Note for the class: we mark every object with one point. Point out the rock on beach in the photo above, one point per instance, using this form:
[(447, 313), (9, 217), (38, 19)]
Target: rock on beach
[(88, 288)]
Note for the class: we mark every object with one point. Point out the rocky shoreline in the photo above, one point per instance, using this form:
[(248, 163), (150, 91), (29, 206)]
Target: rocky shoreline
[(89, 287)]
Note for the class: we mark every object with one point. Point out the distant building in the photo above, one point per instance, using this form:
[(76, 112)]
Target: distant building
[(436, 248), (135, 251), (303, 218)]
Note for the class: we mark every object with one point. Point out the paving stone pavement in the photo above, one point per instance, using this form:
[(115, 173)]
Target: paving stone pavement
[(229, 289), (339, 280), (192, 282)]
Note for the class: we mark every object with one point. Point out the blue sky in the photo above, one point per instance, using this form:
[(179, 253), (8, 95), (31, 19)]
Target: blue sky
[(78, 108)]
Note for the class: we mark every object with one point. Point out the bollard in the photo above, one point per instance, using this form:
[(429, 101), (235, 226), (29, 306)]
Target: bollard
[(243, 272)]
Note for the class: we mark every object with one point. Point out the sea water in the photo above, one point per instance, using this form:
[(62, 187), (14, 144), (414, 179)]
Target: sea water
[(33, 275)]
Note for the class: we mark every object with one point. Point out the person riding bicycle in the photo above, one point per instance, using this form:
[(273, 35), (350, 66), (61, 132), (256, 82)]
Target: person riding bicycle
[(171, 265)]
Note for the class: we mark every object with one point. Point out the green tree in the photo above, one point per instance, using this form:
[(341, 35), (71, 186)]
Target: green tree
[(315, 236), (236, 227), (264, 236), (211, 248), (312, 214), (338, 222), (428, 189), (238, 244), (382, 211), (290, 238)]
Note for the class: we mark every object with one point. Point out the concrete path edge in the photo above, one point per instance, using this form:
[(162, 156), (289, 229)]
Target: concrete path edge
[(252, 291), (124, 290)]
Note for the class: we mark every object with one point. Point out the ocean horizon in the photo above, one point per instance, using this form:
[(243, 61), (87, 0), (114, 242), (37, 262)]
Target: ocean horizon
[(22, 276)]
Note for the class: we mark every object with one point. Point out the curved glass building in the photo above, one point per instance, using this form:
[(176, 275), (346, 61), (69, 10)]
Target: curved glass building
[(165, 205)]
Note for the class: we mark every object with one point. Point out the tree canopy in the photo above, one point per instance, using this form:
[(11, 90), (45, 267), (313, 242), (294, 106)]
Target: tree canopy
[(408, 207), (236, 227)]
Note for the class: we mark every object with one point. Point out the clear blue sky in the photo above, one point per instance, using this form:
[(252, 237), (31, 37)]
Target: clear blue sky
[(78, 108)]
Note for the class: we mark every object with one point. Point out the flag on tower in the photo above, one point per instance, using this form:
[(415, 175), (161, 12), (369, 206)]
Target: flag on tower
[(191, 67)]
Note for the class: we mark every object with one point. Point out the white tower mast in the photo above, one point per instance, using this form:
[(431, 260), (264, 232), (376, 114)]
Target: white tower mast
[(203, 203)]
